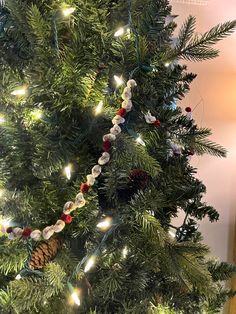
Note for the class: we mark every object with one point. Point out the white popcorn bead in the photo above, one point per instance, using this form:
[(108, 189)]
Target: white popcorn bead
[(96, 171), (36, 235), (17, 231), (68, 207), (127, 105), (59, 226), (48, 232), (149, 118), (131, 83), (109, 137), (115, 129), (126, 95), (90, 180), (79, 200), (118, 119), (104, 159)]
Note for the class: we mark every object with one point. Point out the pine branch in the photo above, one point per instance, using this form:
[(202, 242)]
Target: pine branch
[(186, 32), (206, 146), (199, 47), (221, 271)]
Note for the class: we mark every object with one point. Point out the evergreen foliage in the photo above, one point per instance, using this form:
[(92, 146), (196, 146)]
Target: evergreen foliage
[(67, 65)]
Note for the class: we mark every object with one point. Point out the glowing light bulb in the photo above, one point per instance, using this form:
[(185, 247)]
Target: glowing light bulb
[(67, 171), (67, 11), (18, 277), (90, 263), (75, 298), (105, 224), (125, 252), (2, 119), (19, 91), (37, 114), (129, 33), (167, 64), (119, 80), (140, 141), (119, 32), (99, 107)]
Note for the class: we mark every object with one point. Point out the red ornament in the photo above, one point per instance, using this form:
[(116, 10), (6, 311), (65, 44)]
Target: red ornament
[(188, 109), (157, 122), (106, 146), (66, 218), (26, 232), (84, 187), (121, 112), (9, 230)]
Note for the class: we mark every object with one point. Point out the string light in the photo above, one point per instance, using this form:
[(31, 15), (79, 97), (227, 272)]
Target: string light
[(129, 32), (2, 119), (105, 224), (18, 277), (140, 141), (67, 11), (167, 64), (19, 91), (75, 298), (119, 32), (119, 80), (125, 252), (67, 171), (90, 263), (37, 114), (99, 108)]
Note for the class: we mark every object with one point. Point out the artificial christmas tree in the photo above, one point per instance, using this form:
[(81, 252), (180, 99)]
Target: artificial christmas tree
[(95, 161)]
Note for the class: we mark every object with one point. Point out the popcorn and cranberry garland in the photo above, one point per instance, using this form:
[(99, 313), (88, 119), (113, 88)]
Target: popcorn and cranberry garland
[(80, 201)]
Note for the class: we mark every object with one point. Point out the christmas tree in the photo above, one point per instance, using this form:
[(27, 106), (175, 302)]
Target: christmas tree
[(95, 161)]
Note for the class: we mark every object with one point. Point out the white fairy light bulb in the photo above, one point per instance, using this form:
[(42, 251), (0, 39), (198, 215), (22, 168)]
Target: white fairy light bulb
[(129, 32), (125, 252), (90, 263), (18, 277), (105, 224), (21, 91), (68, 11), (2, 119), (75, 298), (140, 141), (119, 32), (37, 114), (119, 80), (167, 64), (99, 108), (67, 171)]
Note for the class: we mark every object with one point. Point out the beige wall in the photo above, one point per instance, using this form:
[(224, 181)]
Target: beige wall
[(215, 87)]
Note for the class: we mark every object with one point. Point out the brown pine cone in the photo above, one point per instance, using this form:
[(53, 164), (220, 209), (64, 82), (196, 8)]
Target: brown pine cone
[(45, 252)]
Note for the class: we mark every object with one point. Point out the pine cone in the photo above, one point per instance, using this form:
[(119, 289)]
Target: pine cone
[(138, 178), (44, 253)]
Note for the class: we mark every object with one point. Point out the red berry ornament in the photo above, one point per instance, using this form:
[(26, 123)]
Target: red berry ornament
[(84, 187), (188, 109), (66, 218), (106, 146), (157, 122), (121, 112), (26, 232)]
